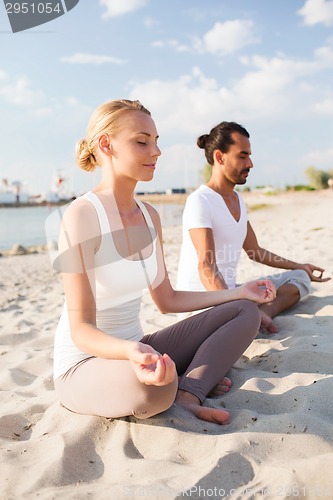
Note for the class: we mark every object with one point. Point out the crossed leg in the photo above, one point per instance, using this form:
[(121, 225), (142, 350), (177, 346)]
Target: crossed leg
[(291, 286), (287, 296), (204, 348)]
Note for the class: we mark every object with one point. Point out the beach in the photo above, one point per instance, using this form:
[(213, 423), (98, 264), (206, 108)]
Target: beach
[(279, 443)]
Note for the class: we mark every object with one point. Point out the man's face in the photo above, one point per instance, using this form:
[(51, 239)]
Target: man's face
[(237, 162)]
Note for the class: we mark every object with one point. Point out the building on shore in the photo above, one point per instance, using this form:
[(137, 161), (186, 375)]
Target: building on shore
[(12, 193)]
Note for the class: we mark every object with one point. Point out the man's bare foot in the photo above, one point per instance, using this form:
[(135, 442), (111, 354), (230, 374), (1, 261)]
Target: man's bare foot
[(191, 403), (221, 388), (267, 324)]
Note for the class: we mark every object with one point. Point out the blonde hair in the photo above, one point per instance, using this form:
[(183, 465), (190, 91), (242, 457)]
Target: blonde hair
[(105, 119)]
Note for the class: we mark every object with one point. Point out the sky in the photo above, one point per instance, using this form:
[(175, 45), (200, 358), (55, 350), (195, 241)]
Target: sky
[(265, 64)]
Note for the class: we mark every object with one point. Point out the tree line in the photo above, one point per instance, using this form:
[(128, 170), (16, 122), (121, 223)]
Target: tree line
[(318, 179)]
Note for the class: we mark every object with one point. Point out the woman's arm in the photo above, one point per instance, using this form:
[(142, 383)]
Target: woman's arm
[(78, 243), (150, 367), (169, 300)]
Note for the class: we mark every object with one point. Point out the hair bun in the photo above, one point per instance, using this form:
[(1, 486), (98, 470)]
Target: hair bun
[(84, 157), (202, 140)]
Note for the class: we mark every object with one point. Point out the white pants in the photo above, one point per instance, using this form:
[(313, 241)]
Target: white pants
[(297, 277)]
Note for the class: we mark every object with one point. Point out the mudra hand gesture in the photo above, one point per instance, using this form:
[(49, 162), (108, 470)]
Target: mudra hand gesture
[(150, 367), (260, 291)]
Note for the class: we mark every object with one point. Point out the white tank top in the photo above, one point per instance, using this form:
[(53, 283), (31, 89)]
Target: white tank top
[(119, 287)]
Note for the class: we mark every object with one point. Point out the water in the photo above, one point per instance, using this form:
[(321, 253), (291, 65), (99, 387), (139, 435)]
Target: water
[(23, 225), (26, 225)]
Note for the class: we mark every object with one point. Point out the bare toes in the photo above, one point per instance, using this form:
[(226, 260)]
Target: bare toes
[(221, 388), (213, 415)]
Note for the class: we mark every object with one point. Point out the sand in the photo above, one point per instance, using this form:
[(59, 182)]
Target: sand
[(279, 443)]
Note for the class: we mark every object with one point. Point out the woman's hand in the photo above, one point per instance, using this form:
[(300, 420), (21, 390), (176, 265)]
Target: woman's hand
[(260, 291), (150, 367)]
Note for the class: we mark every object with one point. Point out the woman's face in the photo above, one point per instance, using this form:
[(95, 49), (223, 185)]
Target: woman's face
[(134, 149)]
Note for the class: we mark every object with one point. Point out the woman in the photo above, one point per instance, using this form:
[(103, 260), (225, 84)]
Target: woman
[(110, 250)]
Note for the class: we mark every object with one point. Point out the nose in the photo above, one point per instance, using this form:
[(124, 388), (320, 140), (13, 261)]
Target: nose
[(156, 151), (250, 163)]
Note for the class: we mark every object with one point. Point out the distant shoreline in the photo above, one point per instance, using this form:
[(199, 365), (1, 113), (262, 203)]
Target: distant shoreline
[(177, 198), (29, 204), (252, 198), (180, 198), (254, 201)]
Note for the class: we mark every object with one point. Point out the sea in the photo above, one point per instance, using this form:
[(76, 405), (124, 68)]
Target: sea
[(36, 225)]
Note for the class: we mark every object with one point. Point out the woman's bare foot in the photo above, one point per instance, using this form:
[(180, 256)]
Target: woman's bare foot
[(221, 388), (267, 324), (191, 403)]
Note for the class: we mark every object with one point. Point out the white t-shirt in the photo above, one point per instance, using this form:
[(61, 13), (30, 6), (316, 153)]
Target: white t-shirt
[(205, 208)]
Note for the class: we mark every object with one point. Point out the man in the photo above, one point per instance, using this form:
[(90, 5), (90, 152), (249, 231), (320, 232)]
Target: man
[(216, 228)]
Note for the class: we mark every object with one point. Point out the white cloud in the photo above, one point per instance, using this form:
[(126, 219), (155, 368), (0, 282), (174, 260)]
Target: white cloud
[(324, 107), (186, 102), (272, 84), (325, 55), (170, 43), (317, 12), (150, 21), (20, 93), (223, 38), (193, 103), (119, 7), (81, 58), (158, 43), (319, 158), (43, 112), (229, 37)]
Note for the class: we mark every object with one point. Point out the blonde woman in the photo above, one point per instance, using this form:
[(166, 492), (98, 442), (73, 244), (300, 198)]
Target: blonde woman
[(110, 250)]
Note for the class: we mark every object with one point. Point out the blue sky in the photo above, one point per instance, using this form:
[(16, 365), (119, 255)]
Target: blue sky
[(266, 64)]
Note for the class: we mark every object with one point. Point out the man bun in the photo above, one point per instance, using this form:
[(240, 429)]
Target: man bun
[(202, 140)]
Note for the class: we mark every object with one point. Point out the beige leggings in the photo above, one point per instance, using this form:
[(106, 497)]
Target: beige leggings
[(204, 347)]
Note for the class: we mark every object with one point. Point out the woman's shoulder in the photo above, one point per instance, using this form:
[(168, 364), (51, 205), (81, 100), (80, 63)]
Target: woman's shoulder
[(81, 213), (81, 205)]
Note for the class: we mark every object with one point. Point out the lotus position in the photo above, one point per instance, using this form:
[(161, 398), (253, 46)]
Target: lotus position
[(216, 229), (110, 250)]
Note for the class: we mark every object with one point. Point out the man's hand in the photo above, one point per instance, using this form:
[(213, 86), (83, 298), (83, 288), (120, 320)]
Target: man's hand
[(150, 367), (311, 269)]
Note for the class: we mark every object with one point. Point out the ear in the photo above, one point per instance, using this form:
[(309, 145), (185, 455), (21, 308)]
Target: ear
[(218, 156), (104, 144)]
